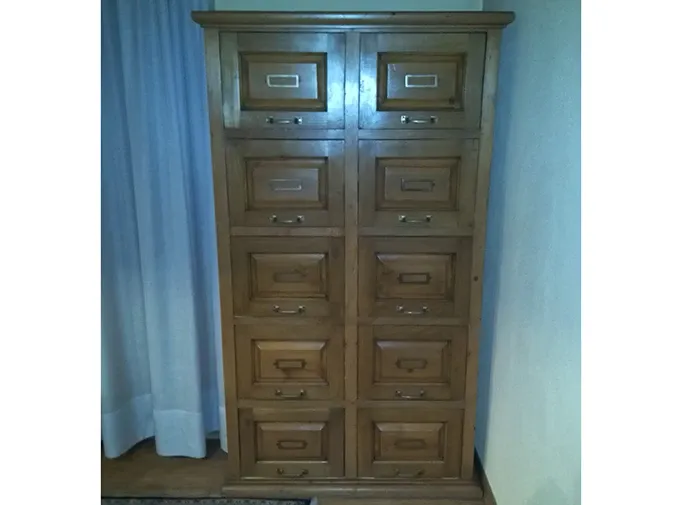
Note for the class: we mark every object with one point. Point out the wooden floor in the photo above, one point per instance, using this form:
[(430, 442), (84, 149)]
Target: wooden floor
[(141, 472)]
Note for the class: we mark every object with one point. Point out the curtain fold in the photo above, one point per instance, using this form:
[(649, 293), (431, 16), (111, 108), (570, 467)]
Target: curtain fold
[(161, 366)]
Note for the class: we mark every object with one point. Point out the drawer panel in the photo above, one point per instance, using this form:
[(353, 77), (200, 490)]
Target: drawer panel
[(283, 80), (276, 183), (291, 443), (288, 277), (412, 362), (421, 80), (290, 362), (408, 443), (414, 277), (418, 183)]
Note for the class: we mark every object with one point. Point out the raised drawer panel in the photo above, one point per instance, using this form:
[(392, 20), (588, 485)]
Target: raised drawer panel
[(290, 362), (414, 277), (288, 277), (418, 184), (412, 362), (409, 444), (283, 80), (291, 443), (285, 183), (421, 80)]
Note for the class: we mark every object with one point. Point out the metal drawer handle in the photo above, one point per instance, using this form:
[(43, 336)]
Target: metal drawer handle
[(407, 220), (293, 120), (413, 120), (398, 473), (400, 394), (280, 394), (278, 310), (282, 473), (401, 309), (297, 220)]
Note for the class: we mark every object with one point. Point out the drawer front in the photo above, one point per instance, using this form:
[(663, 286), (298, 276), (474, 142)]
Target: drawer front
[(412, 362), (421, 80), (276, 183), (291, 443), (414, 277), (288, 277), (289, 362), (409, 443), (283, 80), (418, 183)]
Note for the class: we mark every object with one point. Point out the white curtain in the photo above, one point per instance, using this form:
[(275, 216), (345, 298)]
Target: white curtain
[(161, 367)]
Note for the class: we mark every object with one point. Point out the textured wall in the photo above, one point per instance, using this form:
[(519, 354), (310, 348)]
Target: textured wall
[(528, 425), (350, 5)]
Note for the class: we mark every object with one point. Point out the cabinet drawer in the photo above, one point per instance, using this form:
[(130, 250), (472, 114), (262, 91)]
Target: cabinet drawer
[(414, 277), (283, 80), (291, 183), (289, 362), (409, 443), (288, 277), (412, 362), (418, 183), (421, 80), (291, 443)]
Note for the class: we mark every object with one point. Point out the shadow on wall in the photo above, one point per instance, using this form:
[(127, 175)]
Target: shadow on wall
[(494, 237)]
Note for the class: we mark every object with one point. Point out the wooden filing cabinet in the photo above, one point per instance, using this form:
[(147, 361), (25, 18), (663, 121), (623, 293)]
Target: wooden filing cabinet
[(351, 160)]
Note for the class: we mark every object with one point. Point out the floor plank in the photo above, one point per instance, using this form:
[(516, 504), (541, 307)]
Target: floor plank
[(141, 472)]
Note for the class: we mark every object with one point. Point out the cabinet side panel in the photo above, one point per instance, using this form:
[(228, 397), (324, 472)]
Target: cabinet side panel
[(213, 76), (492, 55)]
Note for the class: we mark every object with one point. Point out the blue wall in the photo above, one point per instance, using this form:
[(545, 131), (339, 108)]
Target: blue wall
[(528, 424)]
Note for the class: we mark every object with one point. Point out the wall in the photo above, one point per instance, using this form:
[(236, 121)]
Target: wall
[(528, 424), (349, 5)]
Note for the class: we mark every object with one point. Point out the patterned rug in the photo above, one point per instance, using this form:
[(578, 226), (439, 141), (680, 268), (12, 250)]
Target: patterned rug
[(207, 501)]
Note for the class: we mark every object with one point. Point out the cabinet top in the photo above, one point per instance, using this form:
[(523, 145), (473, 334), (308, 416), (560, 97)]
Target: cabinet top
[(350, 20)]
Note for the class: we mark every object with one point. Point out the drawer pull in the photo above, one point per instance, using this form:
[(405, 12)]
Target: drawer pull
[(297, 220), (404, 219), (292, 444), (414, 120), (401, 310), (398, 473), (278, 310), (410, 444), (293, 120), (403, 396), (411, 364), (419, 185), (290, 364), (280, 394), (282, 473)]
